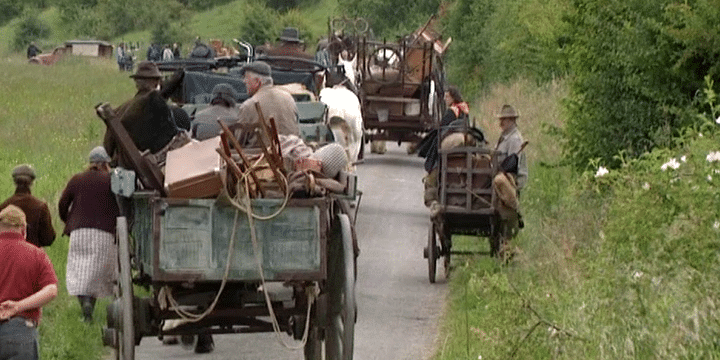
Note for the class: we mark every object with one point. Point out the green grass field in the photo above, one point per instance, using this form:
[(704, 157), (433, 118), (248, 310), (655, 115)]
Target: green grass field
[(49, 121)]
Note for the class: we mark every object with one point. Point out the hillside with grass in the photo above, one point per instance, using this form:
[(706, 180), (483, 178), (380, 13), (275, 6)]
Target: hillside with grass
[(621, 249)]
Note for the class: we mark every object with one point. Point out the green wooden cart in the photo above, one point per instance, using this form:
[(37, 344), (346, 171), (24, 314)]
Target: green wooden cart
[(208, 268)]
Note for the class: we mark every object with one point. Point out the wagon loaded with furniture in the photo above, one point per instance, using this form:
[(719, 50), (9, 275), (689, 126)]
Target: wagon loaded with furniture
[(400, 84), (231, 239)]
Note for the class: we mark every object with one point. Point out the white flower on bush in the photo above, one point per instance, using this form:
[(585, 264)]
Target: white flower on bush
[(713, 156), (637, 274), (670, 164), (717, 121), (709, 178), (602, 171), (646, 186), (716, 225), (683, 158)]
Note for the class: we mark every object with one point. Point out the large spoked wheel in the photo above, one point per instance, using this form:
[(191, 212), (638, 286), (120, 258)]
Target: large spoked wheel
[(339, 340), (125, 331), (432, 253)]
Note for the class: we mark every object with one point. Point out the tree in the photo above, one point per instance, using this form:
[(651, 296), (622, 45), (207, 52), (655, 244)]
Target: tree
[(30, 28)]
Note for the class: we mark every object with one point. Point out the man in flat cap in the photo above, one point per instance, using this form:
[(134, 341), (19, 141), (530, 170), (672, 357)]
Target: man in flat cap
[(222, 107), (40, 231), (27, 283), (147, 117), (275, 102)]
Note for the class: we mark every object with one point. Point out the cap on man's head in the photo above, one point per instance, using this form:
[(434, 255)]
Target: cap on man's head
[(98, 155), (24, 170), (257, 67), (290, 34), (507, 112), (12, 216), (147, 70), (226, 92)]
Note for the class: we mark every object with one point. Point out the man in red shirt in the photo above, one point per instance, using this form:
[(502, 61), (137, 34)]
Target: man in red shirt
[(27, 283)]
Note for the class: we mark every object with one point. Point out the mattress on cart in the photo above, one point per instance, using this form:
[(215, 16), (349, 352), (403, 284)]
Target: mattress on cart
[(181, 239)]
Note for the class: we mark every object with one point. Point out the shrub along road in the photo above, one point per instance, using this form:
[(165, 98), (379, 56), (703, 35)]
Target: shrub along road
[(398, 309)]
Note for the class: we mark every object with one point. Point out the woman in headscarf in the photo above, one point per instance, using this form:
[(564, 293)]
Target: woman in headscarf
[(89, 210)]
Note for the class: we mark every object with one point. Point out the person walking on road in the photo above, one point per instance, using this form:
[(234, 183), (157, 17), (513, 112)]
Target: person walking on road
[(40, 231), (89, 210), (27, 283)]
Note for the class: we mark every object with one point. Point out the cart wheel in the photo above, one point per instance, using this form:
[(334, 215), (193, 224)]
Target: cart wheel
[(126, 331), (339, 340), (313, 346), (432, 253)]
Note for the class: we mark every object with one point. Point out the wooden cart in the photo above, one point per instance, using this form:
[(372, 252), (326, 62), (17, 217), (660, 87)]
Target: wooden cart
[(401, 85), (205, 263), (467, 204)]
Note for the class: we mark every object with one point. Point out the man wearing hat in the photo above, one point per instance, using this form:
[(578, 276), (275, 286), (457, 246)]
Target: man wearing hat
[(27, 283), (40, 231), (222, 107), (147, 116), (507, 184), (275, 102), (290, 45)]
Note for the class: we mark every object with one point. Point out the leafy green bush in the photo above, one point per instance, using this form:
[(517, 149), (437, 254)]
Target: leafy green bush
[(10, 10), (497, 41), (30, 28), (259, 24), (637, 67)]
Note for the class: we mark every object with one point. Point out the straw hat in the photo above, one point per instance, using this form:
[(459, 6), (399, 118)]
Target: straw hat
[(508, 112)]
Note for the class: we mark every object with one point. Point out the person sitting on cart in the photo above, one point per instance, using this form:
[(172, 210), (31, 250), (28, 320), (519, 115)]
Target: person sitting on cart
[(275, 103), (454, 121), (290, 45), (508, 183), (222, 107), (147, 117)]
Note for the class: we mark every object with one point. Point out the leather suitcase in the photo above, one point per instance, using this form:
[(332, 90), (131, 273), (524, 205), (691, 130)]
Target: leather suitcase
[(194, 170)]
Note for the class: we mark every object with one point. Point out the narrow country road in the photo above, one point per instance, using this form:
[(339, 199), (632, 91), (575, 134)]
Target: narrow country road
[(398, 309)]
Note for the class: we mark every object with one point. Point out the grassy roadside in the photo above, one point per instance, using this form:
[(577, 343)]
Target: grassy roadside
[(48, 120), (616, 266)]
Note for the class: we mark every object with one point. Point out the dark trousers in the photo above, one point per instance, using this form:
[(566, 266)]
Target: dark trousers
[(18, 340)]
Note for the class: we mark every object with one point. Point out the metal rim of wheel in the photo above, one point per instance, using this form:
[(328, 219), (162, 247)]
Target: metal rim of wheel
[(432, 254), (339, 341), (372, 60), (126, 333)]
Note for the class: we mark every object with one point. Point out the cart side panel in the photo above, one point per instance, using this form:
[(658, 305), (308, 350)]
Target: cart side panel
[(192, 238)]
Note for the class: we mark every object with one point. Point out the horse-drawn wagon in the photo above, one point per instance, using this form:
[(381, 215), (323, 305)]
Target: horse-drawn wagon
[(244, 260), (401, 84)]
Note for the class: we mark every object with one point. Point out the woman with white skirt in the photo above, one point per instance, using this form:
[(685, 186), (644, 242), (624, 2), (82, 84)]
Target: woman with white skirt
[(89, 210)]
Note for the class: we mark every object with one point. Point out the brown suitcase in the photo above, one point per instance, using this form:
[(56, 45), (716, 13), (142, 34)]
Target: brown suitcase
[(194, 170)]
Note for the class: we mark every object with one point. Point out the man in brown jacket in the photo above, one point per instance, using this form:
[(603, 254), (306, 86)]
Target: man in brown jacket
[(147, 116), (40, 231), (275, 102)]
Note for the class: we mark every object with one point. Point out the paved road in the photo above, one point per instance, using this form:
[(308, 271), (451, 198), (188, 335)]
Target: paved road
[(398, 310)]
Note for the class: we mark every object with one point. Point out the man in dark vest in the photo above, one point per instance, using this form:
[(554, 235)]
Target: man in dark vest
[(40, 231), (147, 117)]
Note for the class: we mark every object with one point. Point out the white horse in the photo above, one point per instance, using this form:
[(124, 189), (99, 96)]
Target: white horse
[(344, 116)]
